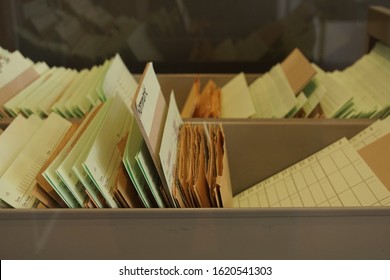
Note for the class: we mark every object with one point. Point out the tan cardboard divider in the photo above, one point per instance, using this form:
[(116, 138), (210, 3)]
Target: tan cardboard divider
[(378, 26), (298, 70), (377, 156), (258, 149)]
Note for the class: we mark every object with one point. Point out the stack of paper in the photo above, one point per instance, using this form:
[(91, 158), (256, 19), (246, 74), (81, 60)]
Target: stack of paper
[(71, 93), (365, 83), (200, 176), (65, 165), (203, 104), (86, 171), (26, 145), (279, 93), (295, 88), (112, 158), (199, 170), (190, 159), (345, 174), (359, 91), (273, 96), (338, 99), (236, 99), (16, 73), (141, 169)]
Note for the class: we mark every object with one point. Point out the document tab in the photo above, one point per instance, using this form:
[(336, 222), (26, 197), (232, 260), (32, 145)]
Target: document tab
[(150, 110), (298, 70)]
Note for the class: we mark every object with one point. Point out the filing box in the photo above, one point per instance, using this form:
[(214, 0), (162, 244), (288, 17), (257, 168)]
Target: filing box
[(256, 149)]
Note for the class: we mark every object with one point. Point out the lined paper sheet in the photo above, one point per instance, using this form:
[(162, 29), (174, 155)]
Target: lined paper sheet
[(15, 137), (337, 99), (283, 92), (12, 65), (146, 165), (272, 95), (81, 104), (133, 146), (261, 99), (103, 158), (59, 105), (370, 134), (18, 181), (236, 101), (78, 104), (50, 96), (168, 149), (335, 176), (13, 106), (119, 81), (66, 170), (30, 103), (73, 197)]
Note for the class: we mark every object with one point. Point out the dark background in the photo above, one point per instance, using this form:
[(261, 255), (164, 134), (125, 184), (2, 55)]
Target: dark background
[(205, 36)]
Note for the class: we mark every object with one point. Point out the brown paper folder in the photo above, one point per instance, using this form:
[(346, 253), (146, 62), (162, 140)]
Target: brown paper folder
[(377, 156), (202, 171), (209, 103)]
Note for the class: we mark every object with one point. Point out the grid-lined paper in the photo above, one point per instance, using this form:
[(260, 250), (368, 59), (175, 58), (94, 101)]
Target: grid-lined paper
[(370, 134), (336, 176)]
